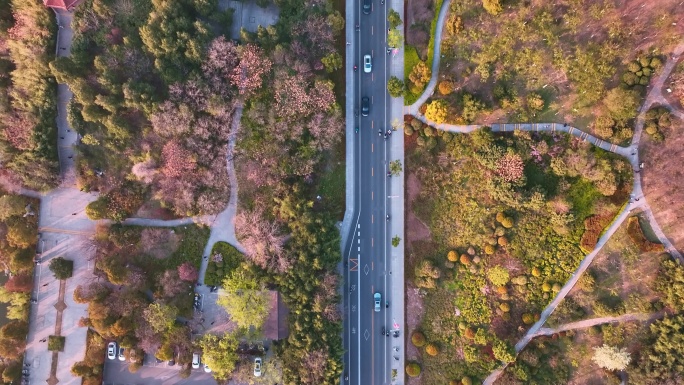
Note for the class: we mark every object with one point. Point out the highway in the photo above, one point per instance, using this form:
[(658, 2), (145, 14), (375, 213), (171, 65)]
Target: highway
[(368, 352)]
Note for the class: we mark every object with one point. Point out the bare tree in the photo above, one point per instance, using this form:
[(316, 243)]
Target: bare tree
[(262, 240)]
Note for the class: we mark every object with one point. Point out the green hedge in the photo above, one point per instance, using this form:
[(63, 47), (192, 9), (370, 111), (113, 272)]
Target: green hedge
[(216, 271)]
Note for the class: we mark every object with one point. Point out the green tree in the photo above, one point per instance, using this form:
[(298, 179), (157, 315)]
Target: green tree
[(97, 209), (332, 62), (471, 107), (15, 330), (420, 74), (219, 353), (437, 111), (12, 205), (394, 38), (246, 299), (395, 241), (622, 104), (395, 167), (494, 7), (498, 275), (503, 351), (611, 358), (670, 283), (394, 19), (61, 268), (395, 87), (160, 317)]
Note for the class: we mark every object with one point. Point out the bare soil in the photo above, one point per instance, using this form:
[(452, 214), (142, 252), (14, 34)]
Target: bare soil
[(153, 210), (416, 230), (663, 166)]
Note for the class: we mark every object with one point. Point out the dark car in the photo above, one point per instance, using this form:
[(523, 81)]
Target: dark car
[(366, 7), (365, 106)]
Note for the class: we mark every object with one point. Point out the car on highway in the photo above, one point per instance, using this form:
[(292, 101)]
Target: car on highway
[(111, 350), (367, 7), (377, 299), (121, 354), (367, 64), (195, 360), (257, 367), (365, 106)]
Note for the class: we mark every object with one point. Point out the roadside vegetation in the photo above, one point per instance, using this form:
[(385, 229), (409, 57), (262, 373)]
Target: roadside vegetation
[(507, 216), (566, 61), (28, 138), (18, 239)]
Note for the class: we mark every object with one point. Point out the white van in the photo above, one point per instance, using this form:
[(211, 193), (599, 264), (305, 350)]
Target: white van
[(195, 360)]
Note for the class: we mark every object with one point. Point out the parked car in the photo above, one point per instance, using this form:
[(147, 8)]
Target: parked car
[(195, 360), (257, 367), (377, 299), (367, 64), (111, 350), (206, 369), (121, 354)]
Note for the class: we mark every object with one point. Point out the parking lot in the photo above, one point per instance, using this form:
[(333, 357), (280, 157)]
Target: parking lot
[(152, 373)]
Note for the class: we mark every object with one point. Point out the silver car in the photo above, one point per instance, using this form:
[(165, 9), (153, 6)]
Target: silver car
[(111, 350), (367, 64), (377, 298), (257, 367)]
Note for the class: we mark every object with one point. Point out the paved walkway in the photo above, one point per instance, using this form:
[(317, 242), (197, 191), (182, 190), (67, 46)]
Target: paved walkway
[(436, 56), (583, 324)]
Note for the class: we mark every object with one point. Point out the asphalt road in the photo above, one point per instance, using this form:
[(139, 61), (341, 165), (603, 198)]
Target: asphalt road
[(368, 352)]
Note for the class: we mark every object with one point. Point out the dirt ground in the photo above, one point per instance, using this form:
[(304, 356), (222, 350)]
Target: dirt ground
[(663, 166), (416, 230)]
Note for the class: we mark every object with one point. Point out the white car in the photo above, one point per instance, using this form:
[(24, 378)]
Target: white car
[(111, 350), (257, 367), (121, 354), (195, 360), (206, 369), (367, 64), (376, 299)]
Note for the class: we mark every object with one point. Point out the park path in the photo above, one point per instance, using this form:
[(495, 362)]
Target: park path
[(587, 323)]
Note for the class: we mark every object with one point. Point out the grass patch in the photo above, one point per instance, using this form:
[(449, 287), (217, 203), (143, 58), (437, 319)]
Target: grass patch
[(191, 247), (56, 343), (411, 58), (224, 259), (332, 189), (583, 194), (648, 230)]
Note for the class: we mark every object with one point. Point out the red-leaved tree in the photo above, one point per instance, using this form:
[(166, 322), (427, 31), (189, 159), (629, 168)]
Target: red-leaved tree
[(187, 272), (254, 65), (510, 167)]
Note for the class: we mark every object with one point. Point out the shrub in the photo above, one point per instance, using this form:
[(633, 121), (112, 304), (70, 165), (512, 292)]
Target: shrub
[(432, 349), (465, 260), (546, 287), (466, 381), (437, 111), (418, 339), (56, 343), (556, 287), (413, 369), (502, 241), (636, 234), (501, 289), (507, 222), (452, 256), (519, 280), (408, 130), (489, 249), (498, 276), (505, 307), (536, 272), (500, 216), (469, 333), (61, 268), (527, 318), (446, 87), (503, 351), (476, 259)]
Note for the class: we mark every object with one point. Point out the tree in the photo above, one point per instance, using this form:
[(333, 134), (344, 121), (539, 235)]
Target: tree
[(670, 283), (188, 272), (12, 205), (395, 167), (394, 38), (494, 7), (20, 283), (332, 62), (15, 330), (420, 74), (61, 268), (413, 369), (622, 104), (437, 111), (395, 87), (246, 299), (219, 353), (510, 167), (418, 339), (395, 241), (249, 74), (498, 275), (160, 317), (611, 357), (446, 87), (471, 107), (97, 209), (503, 351), (394, 19), (262, 240)]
